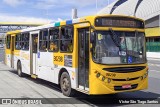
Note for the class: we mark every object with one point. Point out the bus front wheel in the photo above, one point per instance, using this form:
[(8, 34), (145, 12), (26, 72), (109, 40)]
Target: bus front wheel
[(65, 84)]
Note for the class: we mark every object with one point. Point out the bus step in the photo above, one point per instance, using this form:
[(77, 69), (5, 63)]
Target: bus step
[(83, 91), (34, 76)]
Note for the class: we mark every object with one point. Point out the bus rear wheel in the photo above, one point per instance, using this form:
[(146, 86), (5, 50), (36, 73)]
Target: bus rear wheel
[(19, 69), (65, 84)]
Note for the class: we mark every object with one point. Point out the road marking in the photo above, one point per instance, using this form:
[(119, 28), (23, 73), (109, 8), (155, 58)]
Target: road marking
[(150, 64), (153, 70)]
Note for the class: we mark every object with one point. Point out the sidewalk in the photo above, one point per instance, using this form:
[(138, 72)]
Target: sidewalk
[(4, 67), (153, 55), (149, 58)]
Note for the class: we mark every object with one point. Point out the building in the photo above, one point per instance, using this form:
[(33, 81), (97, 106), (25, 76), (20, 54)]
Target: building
[(2, 40), (149, 10), (10, 26)]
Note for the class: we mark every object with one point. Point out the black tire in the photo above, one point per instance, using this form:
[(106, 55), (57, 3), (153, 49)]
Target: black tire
[(65, 84), (19, 69)]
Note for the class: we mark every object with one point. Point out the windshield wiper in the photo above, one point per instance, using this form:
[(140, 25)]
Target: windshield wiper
[(114, 38), (135, 43)]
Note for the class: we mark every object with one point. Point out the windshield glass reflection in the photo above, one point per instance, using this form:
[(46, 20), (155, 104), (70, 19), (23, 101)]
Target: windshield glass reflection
[(118, 47)]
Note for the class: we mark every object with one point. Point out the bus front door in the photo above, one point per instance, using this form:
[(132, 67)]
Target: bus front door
[(33, 53), (83, 58), (12, 50)]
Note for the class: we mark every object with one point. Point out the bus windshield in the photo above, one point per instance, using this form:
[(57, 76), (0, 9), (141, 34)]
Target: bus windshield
[(119, 47)]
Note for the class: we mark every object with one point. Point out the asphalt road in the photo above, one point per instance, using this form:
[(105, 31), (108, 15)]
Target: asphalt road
[(12, 86)]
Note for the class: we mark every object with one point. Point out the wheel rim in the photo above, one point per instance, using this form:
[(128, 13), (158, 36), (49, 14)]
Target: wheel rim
[(65, 84)]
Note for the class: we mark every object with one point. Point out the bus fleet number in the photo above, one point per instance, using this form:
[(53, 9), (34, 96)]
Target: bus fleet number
[(58, 58)]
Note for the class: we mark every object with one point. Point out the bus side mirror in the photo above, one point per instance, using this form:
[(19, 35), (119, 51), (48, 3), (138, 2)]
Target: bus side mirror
[(92, 38)]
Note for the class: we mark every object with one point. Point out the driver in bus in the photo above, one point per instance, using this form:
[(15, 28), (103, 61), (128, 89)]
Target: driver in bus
[(100, 47)]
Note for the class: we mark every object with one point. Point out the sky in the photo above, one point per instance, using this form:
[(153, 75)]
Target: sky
[(46, 11)]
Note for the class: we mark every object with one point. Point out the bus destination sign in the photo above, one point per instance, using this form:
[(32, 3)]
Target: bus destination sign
[(119, 22)]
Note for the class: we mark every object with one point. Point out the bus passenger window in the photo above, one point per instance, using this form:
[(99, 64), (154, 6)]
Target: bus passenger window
[(43, 45), (25, 41), (70, 46), (8, 41), (43, 40), (53, 40), (18, 42), (66, 39)]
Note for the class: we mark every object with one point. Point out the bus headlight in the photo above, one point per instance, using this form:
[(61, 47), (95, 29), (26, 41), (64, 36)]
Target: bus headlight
[(147, 72), (103, 78), (141, 77), (98, 75), (145, 75), (109, 80)]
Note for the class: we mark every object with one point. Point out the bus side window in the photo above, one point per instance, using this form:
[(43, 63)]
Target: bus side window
[(53, 40), (25, 41), (8, 41), (66, 39), (43, 40), (18, 42)]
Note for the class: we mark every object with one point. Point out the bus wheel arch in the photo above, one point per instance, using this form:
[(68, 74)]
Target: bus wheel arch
[(60, 73), (65, 83)]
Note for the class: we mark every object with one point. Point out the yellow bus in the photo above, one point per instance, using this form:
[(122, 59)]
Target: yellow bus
[(102, 54)]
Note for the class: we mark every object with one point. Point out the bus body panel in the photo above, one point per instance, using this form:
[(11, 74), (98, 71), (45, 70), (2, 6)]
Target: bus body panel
[(25, 61), (108, 88), (45, 66), (62, 62), (8, 57)]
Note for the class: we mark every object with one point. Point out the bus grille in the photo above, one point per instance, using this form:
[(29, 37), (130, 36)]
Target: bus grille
[(125, 69), (119, 88), (129, 79)]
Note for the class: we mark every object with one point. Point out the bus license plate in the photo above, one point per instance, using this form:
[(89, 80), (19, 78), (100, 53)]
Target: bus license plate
[(126, 86)]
